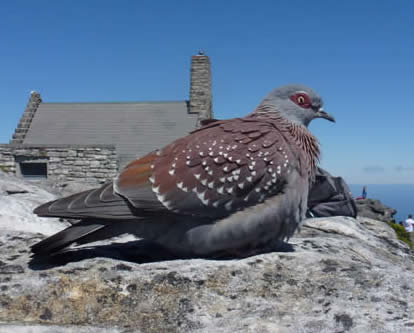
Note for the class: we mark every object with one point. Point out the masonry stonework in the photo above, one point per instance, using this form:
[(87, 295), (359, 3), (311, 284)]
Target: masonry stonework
[(27, 117), (92, 164), (200, 87)]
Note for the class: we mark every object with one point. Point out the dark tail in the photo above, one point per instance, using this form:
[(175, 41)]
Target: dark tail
[(77, 233)]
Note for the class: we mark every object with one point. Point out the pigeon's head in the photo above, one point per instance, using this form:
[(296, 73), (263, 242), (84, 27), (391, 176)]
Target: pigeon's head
[(296, 103)]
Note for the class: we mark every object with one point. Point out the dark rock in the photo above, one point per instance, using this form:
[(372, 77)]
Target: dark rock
[(374, 209)]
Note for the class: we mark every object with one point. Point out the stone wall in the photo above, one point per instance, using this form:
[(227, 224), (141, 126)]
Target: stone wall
[(26, 119), (92, 164), (200, 87)]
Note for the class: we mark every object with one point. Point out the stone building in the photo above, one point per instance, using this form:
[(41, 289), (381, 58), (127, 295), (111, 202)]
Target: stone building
[(91, 141)]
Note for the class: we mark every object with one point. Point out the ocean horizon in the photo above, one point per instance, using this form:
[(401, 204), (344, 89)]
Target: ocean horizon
[(397, 196)]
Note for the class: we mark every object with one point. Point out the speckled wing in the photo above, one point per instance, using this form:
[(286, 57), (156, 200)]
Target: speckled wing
[(219, 169)]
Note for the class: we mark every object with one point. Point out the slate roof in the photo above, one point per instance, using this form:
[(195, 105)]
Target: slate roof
[(135, 128)]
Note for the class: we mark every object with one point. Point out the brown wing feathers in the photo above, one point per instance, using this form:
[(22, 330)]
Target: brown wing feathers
[(220, 168)]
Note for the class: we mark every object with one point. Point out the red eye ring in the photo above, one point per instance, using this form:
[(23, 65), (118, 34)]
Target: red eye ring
[(301, 99)]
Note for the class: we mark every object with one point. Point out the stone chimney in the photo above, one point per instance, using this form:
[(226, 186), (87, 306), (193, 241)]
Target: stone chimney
[(200, 87), (25, 121)]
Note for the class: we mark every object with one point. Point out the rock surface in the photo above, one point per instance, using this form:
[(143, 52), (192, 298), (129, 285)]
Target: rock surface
[(375, 209), (337, 275), (17, 201)]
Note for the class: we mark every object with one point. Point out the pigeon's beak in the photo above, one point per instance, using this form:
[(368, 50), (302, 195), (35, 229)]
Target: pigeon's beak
[(321, 113)]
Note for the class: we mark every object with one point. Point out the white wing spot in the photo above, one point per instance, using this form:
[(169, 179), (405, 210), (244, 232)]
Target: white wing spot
[(171, 172), (211, 184), (240, 185), (220, 189), (197, 175), (201, 196), (228, 205)]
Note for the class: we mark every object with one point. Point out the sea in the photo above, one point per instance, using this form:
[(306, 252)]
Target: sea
[(398, 196)]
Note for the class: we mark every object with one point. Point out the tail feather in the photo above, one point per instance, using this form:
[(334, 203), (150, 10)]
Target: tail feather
[(66, 237)]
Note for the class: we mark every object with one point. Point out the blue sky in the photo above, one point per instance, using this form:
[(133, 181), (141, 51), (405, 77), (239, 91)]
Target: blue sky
[(359, 55)]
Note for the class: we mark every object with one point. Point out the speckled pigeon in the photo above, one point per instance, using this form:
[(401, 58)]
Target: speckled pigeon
[(232, 187)]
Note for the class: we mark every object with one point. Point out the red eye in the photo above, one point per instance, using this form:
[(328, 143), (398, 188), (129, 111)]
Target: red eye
[(302, 100)]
